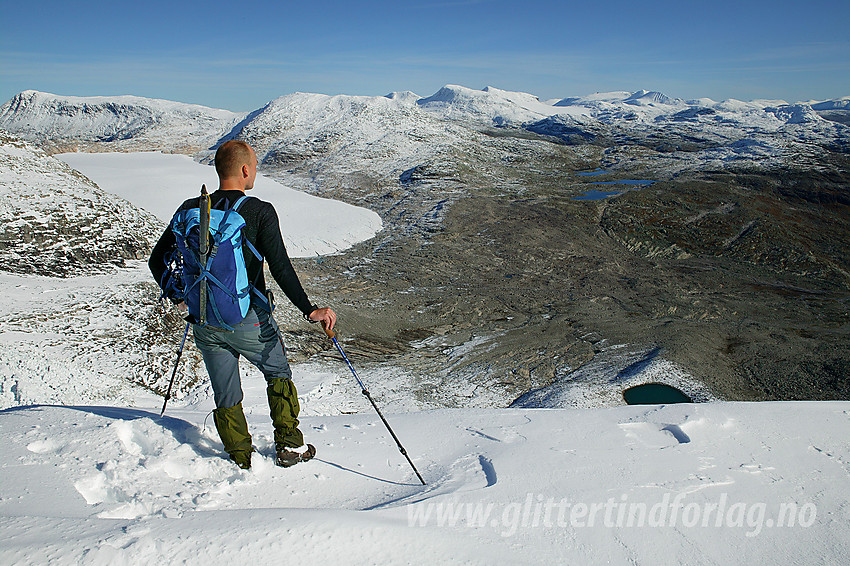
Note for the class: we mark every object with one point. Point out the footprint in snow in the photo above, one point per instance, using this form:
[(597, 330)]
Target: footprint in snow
[(654, 435), (44, 446)]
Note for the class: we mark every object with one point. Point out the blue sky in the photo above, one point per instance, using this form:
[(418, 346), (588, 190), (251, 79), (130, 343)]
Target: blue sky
[(222, 55)]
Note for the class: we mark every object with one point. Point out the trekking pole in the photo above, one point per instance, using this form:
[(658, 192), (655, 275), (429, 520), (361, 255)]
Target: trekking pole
[(174, 373), (332, 335)]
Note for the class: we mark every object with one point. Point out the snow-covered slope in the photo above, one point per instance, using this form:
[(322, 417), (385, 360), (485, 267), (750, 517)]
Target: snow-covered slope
[(647, 98), (316, 134), (492, 106), (125, 122), (837, 110), (681, 484), (89, 339), (55, 221)]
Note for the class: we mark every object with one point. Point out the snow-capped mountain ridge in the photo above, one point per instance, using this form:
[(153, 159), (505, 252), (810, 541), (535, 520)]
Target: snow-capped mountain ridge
[(490, 105), (835, 104), (304, 131), (327, 144), (131, 120), (314, 135), (127, 99), (125, 120)]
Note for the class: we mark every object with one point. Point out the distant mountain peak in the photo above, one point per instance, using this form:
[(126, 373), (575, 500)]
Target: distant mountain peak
[(403, 96), (647, 97)]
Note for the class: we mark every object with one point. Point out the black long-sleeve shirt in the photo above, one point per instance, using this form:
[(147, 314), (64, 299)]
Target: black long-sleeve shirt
[(262, 229)]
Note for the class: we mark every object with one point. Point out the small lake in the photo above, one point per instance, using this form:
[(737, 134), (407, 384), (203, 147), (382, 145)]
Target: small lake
[(632, 182), (600, 195), (654, 394)]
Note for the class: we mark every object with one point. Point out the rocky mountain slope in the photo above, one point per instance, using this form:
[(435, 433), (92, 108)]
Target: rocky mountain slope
[(55, 221), (79, 327), (526, 241)]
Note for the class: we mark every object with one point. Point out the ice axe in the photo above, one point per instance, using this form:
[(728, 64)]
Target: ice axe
[(332, 335)]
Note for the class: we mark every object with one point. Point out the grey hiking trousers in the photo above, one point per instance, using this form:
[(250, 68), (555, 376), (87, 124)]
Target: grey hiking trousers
[(256, 338)]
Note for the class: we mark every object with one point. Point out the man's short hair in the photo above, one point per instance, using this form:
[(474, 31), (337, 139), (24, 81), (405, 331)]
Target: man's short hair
[(230, 157)]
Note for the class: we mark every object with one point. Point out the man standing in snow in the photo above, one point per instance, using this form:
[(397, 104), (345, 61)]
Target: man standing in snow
[(256, 337)]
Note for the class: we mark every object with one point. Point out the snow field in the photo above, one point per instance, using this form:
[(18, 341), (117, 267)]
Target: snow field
[(159, 183), (509, 486)]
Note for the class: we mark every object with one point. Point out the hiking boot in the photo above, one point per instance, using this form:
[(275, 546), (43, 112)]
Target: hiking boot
[(287, 457)]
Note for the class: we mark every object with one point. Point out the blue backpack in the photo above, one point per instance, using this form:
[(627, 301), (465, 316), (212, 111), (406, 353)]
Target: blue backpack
[(228, 290)]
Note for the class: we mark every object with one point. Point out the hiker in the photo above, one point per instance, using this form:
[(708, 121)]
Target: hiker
[(256, 337)]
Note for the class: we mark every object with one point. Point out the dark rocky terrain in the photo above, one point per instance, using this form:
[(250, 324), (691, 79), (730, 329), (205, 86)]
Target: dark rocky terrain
[(740, 277)]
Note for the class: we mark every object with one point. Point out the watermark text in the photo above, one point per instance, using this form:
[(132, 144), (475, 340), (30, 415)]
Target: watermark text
[(616, 512)]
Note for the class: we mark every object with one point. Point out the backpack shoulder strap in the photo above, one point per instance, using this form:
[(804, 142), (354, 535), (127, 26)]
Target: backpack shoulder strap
[(239, 202), (251, 247), (228, 206), (264, 302), (245, 241)]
